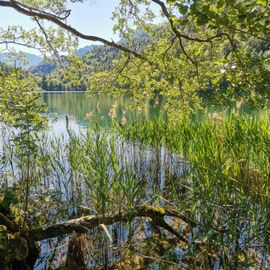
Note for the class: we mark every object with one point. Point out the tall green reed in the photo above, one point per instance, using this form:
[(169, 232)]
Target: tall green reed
[(227, 182)]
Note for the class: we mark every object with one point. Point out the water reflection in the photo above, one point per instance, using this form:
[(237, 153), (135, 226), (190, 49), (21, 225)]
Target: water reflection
[(84, 110)]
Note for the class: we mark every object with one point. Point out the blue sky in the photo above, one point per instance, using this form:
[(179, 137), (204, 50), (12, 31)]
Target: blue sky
[(92, 17)]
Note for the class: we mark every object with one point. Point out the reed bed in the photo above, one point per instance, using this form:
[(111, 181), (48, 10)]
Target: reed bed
[(214, 171), (227, 184)]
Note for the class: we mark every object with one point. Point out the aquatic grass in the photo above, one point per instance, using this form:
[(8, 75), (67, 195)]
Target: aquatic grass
[(216, 173), (228, 177), (110, 181)]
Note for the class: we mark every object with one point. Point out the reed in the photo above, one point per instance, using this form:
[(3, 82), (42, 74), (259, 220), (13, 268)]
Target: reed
[(214, 172), (227, 183)]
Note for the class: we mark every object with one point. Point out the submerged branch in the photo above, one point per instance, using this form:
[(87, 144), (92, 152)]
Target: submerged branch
[(85, 223)]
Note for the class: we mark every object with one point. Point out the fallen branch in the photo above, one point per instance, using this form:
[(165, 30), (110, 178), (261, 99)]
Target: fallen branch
[(85, 223)]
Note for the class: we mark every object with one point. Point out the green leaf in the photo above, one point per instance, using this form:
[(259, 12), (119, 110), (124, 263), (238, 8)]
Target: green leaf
[(220, 3), (106, 231), (202, 19), (183, 9), (3, 228), (261, 2), (9, 198)]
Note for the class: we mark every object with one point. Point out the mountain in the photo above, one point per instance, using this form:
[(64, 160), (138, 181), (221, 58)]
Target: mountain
[(95, 58), (35, 63), (42, 68), (46, 67), (25, 61), (85, 50)]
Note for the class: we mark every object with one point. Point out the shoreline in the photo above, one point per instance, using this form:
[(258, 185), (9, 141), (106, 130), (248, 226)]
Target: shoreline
[(56, 92)]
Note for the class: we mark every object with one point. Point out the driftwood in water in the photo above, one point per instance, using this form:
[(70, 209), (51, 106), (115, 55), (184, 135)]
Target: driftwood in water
[(76, 253), (85, 223), (77, 245)]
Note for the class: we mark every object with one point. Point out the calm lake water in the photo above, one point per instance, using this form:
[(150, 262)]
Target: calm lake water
[(83, 110)]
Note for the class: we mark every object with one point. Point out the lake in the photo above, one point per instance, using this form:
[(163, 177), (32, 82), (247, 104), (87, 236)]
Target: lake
[(83, 110)]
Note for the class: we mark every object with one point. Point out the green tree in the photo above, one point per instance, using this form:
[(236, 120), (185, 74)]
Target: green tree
[(44, 83), (193, 47), (20, 108), (201, 47)]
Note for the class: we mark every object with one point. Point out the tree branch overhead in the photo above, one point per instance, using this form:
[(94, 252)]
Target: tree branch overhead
[(28, 11)]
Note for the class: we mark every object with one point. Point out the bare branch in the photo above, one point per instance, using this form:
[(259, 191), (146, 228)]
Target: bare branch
[(185, 53), (166, 13), (123, 67), (167, 50), (26, 44), (65, 12), (49, 43), (54, 19)]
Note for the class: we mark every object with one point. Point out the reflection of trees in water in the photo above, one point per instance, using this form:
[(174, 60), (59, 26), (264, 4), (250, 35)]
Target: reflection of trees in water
[(97, 108)]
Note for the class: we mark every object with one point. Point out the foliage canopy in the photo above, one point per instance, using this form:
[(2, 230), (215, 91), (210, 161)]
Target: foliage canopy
[(212, 48)]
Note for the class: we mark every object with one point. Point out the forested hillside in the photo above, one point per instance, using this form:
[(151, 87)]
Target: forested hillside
[(92, 59), (68, 77)]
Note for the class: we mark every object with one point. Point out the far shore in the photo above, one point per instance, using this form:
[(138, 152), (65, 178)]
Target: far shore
[(56, 92)]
